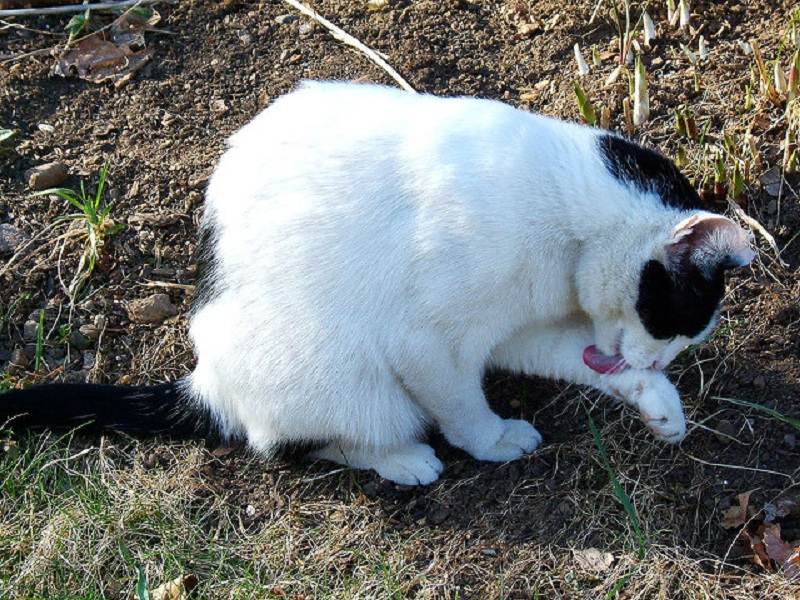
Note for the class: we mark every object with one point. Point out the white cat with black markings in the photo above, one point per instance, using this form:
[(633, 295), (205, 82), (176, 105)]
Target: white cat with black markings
[(368, 254)]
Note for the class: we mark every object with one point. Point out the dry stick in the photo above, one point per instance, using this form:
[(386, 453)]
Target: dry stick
[(756, 226), (348, 39), (73, 8)]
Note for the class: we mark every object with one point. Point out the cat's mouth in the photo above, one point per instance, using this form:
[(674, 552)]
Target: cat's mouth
[(603, 363)]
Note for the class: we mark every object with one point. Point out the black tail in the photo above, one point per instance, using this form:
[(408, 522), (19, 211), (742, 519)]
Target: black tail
[(162, 409)]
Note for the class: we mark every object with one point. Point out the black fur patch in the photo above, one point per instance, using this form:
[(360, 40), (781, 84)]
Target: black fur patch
[(163, 409), (295, 450), (683, 302), (207, 284), (648, 171)]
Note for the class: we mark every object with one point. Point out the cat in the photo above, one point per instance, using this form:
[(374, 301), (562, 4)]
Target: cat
[(368, 253)]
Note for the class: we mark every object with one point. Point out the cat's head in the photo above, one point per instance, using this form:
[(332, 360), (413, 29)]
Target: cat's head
[(679, 288)]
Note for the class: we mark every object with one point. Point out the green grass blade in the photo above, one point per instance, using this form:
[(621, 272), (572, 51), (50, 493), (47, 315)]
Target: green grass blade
[(141, 585), (39, 342), (622, 496), (100, 186), (771, 412)]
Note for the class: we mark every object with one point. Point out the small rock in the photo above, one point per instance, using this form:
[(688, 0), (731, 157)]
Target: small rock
[(11, 238), (30, 330), (250, 510), (790, 440), (489, 552), (46, 128), (263, 99), (90, 331), (47, 176), (759, 383), (76, 338), (772, 206), (219, 106), (89, 360), (285, 19), (306, 28), (438, 515), (725, 432), (245, 38), (151, 310), (19, 362), (771, 181)]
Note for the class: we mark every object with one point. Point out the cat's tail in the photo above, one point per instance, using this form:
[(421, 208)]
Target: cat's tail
[(166, 409)]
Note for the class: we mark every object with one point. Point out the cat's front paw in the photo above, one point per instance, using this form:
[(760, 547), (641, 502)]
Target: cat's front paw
[(517, 438), (662, 412)]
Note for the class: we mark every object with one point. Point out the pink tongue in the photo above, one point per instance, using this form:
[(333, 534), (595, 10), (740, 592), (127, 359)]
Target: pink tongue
[(603, 363)]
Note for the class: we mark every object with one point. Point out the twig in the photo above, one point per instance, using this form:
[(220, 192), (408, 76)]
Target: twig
[(348, 39), (741, 467), (756, 226), (73, 8)]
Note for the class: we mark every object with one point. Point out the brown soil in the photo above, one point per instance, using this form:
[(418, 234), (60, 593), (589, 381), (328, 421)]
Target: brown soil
[(216, 64)]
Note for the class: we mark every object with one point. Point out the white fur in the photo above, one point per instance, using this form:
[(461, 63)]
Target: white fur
[(380, 250)]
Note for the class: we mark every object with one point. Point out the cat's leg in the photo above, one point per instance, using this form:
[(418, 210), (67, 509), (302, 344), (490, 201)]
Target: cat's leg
[(412, 464), (456, 402), (557, 353)]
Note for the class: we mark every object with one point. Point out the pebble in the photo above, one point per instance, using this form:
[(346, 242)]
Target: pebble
[(438, 515), (19, 362), (30, 330), (90, 331), (47, 176), (489, 552), (760, 383), (771, 181), (11, 238), (151, 310), (790, 440), (725, 432), (286, 19)]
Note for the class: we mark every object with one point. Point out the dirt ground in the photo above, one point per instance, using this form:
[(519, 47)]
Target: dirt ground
[(216, 64)]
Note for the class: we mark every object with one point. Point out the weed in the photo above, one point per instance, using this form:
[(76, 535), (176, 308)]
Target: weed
[(6, 137), (39, 342), (771, 412), (585, 106), (99, 225), (619, 491)]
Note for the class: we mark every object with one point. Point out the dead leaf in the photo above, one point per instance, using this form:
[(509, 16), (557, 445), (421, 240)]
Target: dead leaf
[(736, 516), (98, 60), (177, 589), (785, 555), (754, 544), (593, 560)]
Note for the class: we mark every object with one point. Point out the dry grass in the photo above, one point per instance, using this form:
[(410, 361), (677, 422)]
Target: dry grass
[(77, 520)]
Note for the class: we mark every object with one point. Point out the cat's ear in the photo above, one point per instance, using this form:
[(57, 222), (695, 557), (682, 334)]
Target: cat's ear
[(709, 241)]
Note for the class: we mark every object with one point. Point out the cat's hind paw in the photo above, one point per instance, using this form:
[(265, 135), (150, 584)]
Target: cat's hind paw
[(415, 464), (412, 464), (518, 438)]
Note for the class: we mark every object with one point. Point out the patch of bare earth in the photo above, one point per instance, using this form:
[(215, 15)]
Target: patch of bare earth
[(79, 515)]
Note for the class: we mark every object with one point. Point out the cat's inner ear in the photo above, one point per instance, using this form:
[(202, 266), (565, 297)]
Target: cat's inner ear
[(709, 241)]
